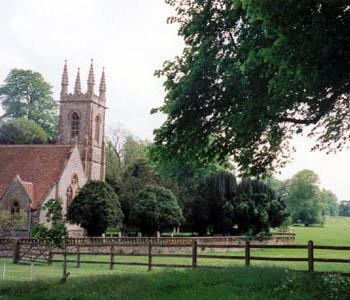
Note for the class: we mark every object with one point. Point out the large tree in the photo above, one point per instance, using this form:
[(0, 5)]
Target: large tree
[(256, 208), (344, 208), (225, 207), (304, 201), (156, 209), (95, 208), (252, 74), (22, 131), (330, 203), (207, 212), (25, 94)]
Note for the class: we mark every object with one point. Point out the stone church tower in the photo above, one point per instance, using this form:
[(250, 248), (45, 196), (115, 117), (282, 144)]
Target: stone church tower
[(82, 122)]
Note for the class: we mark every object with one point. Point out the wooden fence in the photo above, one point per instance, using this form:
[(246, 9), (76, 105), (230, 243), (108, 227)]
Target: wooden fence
[(191, 251)]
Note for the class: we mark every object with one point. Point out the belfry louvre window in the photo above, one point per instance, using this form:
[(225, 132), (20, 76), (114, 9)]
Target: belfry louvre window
[(75, 125)]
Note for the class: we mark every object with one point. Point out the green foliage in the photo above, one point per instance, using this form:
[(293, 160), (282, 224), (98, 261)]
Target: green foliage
[(208, 210), (11, 221), (26, 94), (278, 186), (256, 208), (127, 167), (155, 209), (330, 203), (224, 207), (253, 74), (181, 178), (344, 209), (95, 208), (22, 131), (304, 200), (122, 151), (135, 178), (54, 231)]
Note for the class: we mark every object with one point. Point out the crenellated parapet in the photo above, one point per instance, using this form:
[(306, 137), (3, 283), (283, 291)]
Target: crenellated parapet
[(78, 95)]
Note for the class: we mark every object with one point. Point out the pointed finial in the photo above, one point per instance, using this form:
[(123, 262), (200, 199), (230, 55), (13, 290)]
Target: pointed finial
[(77, 88), (91, 79), (103, 82), (64, 90)]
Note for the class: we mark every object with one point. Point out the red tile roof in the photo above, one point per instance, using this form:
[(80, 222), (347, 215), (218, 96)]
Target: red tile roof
[(40, 165)]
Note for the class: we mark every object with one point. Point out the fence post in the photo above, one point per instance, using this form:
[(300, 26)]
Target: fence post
[(149, 255), (4, 272), (247, 253), (16, 247), (194, 254), (78, 256), (32, 272), (49, 259), (65, 274), (310, 250), (112, 258)]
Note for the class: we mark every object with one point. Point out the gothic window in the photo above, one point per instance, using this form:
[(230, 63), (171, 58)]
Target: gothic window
[(75, 125), (15, 207), (75, 180), (75, 185), (97, 128), (69, 195)]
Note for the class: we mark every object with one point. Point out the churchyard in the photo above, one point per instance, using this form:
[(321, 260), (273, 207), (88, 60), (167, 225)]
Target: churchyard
[(233, 281)]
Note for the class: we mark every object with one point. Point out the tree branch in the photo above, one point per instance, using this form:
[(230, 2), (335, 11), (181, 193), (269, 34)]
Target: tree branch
[(325, 107)]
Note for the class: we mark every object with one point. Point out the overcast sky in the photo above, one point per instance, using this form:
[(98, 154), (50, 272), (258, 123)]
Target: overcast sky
[(131, 39)]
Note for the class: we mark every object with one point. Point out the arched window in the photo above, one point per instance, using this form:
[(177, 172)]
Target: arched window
[(69, 195), (15, 207), (97, 128), (75, 180), (75, 185), (75, 125)]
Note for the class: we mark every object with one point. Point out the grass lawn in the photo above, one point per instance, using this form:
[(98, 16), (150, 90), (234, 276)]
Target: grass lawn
[(238, 283), (334, 233)]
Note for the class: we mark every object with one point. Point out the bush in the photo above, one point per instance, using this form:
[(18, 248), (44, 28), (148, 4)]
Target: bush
[(155, 209), (95, 208)]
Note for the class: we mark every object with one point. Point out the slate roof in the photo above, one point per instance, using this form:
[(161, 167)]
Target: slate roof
[(38, 166)]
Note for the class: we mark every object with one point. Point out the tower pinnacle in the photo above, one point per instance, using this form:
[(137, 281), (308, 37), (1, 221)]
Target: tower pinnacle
[(77, 88), (64, 84), (91, 79), (103, 87), (103, 82)]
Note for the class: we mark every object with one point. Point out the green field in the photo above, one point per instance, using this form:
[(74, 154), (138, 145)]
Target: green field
[(212, 284), (126, 279)]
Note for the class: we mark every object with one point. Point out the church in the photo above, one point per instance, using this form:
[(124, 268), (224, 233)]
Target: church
[(30, 175)]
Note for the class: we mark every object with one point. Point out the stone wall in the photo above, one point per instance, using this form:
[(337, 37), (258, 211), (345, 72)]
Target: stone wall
[(140, 245), (86, 245)]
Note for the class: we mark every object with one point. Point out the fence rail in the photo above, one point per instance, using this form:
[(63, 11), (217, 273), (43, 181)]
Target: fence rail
[(27, 250)]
